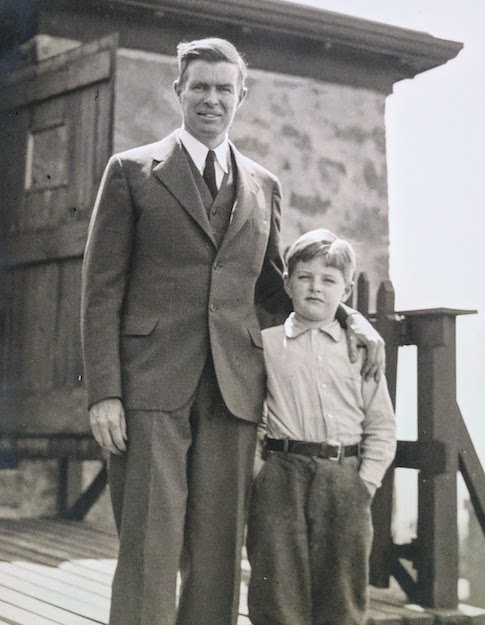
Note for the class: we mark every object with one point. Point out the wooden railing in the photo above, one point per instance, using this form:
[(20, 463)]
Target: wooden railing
[(442, 449), (69, 450)]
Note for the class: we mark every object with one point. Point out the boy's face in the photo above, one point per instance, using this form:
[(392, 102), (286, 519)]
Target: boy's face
[(316, 291)]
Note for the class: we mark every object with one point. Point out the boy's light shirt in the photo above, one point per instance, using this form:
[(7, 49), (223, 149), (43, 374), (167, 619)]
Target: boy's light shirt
[(314, 393), (198, 153)]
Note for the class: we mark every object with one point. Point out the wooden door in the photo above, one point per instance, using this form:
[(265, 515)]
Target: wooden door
[(57, 118)]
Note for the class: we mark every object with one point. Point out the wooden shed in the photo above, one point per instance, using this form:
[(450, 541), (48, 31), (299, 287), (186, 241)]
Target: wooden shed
[(98, 77)]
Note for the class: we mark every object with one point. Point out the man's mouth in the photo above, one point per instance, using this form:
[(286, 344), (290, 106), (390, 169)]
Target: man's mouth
[(209, 115)]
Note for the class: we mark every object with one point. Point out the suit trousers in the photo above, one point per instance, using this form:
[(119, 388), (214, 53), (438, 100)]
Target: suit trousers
[(179, 496), (309, 540)]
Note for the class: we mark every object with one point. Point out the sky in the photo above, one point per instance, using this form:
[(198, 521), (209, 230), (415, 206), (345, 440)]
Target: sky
[(435, 132)]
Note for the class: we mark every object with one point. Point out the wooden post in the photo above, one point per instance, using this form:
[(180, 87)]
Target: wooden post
[(363, 294), (69, 485), (388, 327), (433, 331)]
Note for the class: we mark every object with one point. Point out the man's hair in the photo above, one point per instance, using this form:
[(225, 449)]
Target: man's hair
[(324, 243), (213, 50)]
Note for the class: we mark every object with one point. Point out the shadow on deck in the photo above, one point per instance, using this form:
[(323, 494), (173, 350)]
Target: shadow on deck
[(59, 573)]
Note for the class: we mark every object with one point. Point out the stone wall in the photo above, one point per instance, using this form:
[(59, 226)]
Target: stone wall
[(326, 143)]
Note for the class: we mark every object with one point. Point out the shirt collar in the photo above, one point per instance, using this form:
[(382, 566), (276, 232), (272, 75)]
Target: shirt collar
[(294, 328), (198, 151)]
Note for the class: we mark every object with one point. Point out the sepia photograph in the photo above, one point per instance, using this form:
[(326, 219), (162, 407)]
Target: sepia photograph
[(242, 312)]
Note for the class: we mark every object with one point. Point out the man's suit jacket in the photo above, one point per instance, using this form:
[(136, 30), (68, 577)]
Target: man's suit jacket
[(158, 294)]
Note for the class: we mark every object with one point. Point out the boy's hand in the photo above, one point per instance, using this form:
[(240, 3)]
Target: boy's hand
[(370, 487), (361, 332), (258, 463), (258, 456)]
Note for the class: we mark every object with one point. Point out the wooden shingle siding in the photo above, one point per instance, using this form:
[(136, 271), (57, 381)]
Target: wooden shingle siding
[(58, 140)]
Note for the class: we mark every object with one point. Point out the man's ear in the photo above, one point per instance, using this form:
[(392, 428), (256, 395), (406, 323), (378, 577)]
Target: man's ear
[(242, 95), (176, 88)]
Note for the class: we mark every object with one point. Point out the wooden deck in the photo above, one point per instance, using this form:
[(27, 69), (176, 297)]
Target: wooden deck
[(59, 573)]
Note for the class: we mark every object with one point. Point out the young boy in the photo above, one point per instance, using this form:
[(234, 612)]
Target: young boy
[(330, 436)]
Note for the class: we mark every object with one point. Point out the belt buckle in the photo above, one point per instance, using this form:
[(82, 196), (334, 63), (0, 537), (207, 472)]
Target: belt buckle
[(339, 453)]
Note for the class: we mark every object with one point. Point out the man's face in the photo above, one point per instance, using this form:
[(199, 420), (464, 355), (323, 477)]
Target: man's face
[(316, 291), (210, 96)]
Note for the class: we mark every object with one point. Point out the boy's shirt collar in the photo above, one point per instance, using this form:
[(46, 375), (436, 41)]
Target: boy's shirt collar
[(294, 328)]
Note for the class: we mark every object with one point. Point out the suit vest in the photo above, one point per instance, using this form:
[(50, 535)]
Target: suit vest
[(219, 209)]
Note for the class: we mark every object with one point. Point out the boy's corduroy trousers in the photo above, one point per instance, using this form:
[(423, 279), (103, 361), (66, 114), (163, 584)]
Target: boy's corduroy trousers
[(309, 539)]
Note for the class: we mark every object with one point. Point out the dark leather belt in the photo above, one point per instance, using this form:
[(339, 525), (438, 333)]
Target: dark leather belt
[(320, 450)]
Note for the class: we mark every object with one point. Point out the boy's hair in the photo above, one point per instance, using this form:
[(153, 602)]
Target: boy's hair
[(336, 252), (213, 50)]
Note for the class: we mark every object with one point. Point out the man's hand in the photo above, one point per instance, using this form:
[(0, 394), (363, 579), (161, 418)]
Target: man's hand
[(360, 332), (108, 423)]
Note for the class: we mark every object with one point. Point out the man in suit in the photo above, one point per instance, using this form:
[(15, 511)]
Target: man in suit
[(183, 247)]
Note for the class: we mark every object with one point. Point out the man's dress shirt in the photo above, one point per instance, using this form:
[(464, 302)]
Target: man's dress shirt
[(198, 153)]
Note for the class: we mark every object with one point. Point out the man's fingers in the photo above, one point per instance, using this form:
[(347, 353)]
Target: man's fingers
[(108, 424), (375, 361), (116, 445), (104, 437), (368, 370), (123, 425), (382, 361), (379, 367), (373, 372), (97, 435), (360, 331), (352, 345), (118, 435)]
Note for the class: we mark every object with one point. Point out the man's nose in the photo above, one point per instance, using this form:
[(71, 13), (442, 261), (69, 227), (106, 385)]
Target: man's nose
[(211, 96)]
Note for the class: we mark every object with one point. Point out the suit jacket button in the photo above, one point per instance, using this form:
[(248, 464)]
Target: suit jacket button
[(212, 308)]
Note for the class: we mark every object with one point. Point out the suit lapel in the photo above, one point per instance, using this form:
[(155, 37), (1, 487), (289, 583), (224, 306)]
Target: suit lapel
[(173, 170), (246, 198)]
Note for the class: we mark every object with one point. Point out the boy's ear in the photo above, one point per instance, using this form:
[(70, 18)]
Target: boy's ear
[(176, 87), (286, 283), (348, 291)]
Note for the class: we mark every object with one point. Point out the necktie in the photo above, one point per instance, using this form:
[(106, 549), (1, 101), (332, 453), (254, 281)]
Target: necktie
[(210, 173)]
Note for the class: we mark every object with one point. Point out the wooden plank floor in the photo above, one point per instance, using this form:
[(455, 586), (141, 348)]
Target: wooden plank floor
[(59, 573)]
